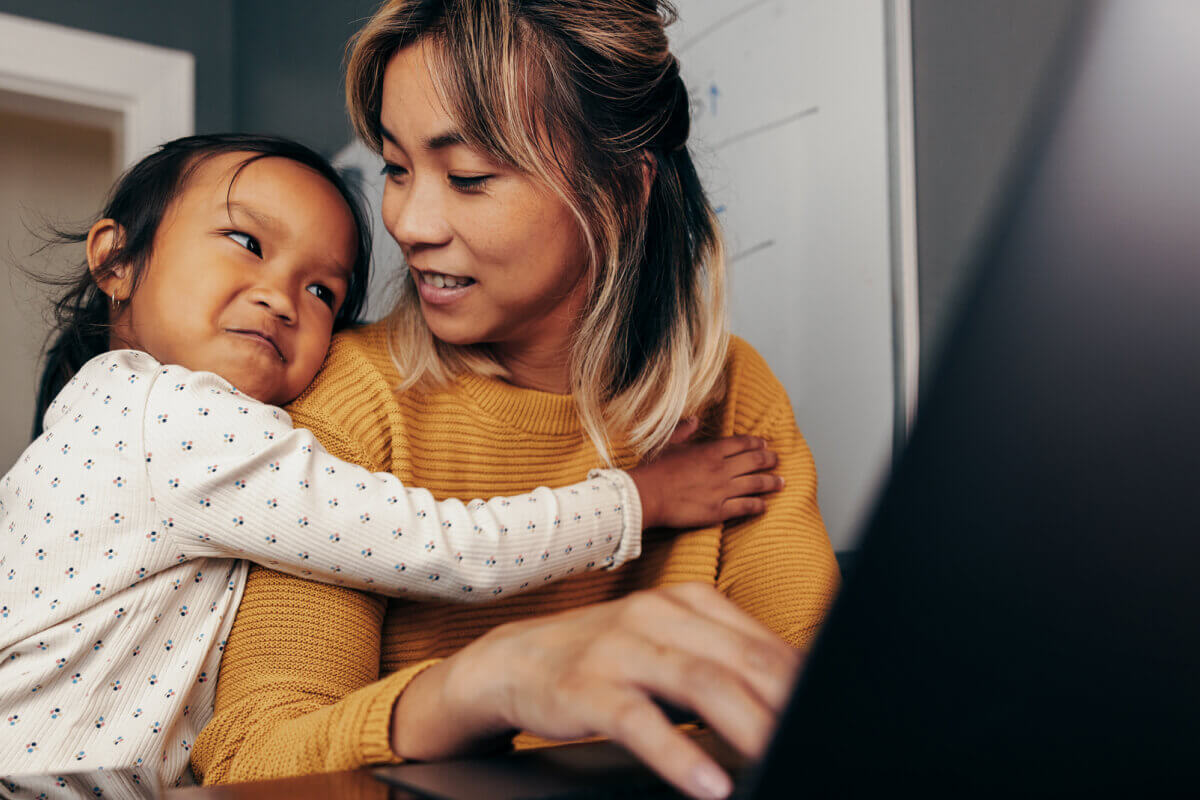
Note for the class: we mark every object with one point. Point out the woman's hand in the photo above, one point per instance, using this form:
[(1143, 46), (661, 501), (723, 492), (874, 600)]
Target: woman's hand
[(596, 671), (693, 485)]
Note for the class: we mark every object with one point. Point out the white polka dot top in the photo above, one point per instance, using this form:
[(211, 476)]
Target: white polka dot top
[(122, 534)]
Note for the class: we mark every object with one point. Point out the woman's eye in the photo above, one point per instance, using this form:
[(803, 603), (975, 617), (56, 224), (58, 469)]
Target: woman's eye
[(323, 293), (393, 172), (469, 183), (247, 241)]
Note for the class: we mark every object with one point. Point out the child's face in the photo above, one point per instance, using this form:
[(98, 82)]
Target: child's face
[(246, 282)]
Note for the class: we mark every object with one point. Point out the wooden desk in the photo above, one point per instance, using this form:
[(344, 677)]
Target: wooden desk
[(354, 785), (597, 764)]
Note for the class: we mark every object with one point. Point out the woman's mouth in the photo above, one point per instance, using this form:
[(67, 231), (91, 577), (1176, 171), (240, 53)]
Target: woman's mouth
[(443, 281), (439, 288)]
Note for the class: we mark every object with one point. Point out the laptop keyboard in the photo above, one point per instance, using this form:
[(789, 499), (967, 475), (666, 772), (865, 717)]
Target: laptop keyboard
[(658, 791)]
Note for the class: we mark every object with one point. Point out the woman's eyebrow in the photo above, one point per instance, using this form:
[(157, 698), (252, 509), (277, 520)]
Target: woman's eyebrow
[(444, 140), (437, 142)]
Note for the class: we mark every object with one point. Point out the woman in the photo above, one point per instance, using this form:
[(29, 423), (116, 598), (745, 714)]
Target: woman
[(564, 300)]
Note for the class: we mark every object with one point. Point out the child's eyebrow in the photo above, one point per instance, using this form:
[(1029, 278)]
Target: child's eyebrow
[(339, 270), (264, 220)]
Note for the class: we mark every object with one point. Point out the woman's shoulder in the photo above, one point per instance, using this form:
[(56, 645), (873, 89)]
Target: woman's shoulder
[(357, 358), (362, 348), (352, 396), (753, 395), (748, 372), (743, 359)]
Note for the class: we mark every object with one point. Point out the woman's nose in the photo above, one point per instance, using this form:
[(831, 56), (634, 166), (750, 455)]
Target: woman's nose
[(415, 214)]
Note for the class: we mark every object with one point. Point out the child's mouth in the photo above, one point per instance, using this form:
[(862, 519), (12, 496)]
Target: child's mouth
[(259, 336)]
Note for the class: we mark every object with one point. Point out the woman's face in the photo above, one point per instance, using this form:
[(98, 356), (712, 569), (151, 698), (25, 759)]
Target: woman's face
[(495, 255)]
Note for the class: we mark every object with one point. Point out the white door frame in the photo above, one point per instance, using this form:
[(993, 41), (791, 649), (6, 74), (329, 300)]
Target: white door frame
[(144, 94), (903, 180)]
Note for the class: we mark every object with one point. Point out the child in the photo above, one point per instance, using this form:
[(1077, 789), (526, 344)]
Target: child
[(225, 263)]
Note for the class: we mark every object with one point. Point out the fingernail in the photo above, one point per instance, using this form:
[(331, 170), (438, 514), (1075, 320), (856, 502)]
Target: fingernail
[(710, 781)]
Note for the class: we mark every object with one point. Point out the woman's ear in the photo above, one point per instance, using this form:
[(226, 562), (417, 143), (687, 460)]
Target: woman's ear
[(649, 173), (103, 239)]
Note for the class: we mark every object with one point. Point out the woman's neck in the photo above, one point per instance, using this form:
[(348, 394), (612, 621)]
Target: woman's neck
[(537, 365), (539, 356)]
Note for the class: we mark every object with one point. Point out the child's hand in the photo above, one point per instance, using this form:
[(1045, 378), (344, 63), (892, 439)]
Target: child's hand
[(693, 485)]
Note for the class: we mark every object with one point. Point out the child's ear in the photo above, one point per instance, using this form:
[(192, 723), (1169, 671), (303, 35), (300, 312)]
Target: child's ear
[(103, 239)]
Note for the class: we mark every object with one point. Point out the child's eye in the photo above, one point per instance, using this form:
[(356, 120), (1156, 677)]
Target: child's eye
[(469, 183), (323, 293), (247, 241)]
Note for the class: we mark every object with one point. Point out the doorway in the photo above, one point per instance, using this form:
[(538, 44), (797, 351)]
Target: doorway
[(76, 108)]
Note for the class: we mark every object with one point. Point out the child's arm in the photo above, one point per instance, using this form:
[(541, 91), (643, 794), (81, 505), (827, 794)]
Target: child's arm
[(232, 477)]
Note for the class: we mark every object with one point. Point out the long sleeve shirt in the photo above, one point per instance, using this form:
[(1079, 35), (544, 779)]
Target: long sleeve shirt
[(123, 530)]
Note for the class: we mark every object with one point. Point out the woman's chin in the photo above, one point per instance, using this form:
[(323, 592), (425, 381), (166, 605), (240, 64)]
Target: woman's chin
[(457, 335)]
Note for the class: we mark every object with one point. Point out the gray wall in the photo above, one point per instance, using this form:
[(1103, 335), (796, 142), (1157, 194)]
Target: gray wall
[(275, 66), (288, 66), (976, 68), (202, 27), (266, 67)]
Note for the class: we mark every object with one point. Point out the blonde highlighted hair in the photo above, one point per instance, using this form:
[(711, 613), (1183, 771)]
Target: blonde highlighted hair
[(584, 96)]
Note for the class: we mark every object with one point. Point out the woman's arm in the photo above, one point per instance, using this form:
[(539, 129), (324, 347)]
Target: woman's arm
[(779, 567), (288, 704), (599, 670), (298, 690)]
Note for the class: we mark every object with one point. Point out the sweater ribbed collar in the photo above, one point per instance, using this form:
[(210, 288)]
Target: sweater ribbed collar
[(529, 410)]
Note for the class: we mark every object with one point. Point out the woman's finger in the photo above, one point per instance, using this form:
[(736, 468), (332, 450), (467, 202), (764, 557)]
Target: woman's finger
[(761, 649), (735, 641), (706, 686), (706, 600), (629, 717), (751, 461)]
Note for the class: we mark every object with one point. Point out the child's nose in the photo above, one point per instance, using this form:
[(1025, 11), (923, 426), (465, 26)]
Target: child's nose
[(276, 301)]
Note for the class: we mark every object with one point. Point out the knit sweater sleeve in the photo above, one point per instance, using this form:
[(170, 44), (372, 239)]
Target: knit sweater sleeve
[(298, 690), (778, 566)]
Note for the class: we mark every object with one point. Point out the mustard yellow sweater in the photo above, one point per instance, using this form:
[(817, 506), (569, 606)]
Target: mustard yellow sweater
[(300, 690)]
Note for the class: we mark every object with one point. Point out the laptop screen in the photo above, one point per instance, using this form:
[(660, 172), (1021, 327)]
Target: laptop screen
[(1025, 609)]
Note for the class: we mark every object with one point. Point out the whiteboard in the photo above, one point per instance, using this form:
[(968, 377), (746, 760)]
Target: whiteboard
[(790, 109), (791, 138)]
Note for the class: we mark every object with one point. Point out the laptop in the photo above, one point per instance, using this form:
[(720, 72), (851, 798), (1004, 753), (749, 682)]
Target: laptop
[(1023, 615)]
